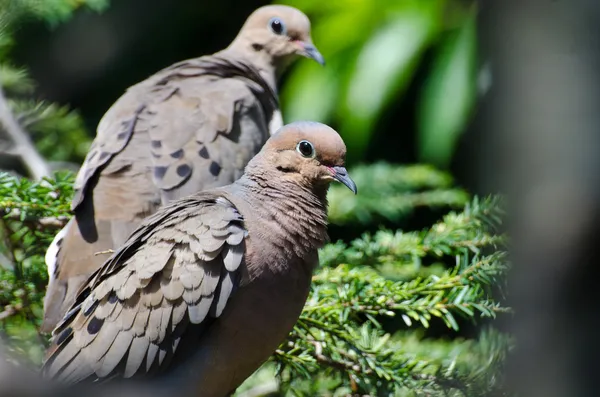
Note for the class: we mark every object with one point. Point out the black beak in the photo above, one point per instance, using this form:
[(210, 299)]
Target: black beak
[(341, 175), (310, 51)]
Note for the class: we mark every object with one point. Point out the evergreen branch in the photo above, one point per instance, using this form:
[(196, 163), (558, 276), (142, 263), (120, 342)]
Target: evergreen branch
[(456, 234), (40, 223), (47, 201), (384, 365), (345, 292), (51, 12), (391, 192), (15, 80)]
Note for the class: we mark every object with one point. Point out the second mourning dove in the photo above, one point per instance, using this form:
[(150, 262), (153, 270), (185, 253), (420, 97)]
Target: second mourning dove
[(192, 126), (222, 274)]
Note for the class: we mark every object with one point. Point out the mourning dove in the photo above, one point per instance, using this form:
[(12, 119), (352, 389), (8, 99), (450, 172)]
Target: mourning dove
[(192, 126), (222, 274)]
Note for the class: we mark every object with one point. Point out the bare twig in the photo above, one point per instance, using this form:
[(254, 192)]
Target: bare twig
[(46, 222), (336, 364), (23, 147), (52, 222), (8, 311)]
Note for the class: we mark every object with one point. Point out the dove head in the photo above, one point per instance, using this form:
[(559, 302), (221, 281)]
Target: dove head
[(278, 32), (305, 153)]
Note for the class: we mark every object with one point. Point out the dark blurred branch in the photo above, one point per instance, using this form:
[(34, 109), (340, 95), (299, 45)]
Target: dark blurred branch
[(543, 149), (22, 146)]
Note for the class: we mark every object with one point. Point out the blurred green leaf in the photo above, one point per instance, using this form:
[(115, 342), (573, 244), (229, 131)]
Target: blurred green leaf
[(384, 68), (6, 41), (56, 11), (448, 96), (370, 66), (312, 94)]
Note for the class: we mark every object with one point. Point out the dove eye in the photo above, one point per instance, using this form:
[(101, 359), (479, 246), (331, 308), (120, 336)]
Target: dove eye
[(277, 26), (306, 149)]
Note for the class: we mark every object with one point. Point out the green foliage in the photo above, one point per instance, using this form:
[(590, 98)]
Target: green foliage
[(23, 274), (374, 50), (29, 201), (51, 11), (441, 116), (392, 192), (15, 80), (31, 213)]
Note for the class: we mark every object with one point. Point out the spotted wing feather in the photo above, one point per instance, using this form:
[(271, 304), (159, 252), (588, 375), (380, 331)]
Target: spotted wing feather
[(130, 317), (208, 101)]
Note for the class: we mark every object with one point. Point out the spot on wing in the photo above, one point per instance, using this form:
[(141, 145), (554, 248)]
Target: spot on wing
[(156, 144), (113, 298), (214, 168), (175, 174), (159, 172), (94, 325), (178, 154), (203, 152), (184, 170)]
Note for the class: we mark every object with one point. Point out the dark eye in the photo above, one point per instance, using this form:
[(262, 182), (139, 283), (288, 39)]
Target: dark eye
[(277, 26), (306, 149)]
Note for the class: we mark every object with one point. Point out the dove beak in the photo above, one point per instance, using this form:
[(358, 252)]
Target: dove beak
[(310, 51), (341, 175)]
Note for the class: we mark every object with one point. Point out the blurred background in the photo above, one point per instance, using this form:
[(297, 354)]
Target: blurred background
[(392, 66), (490, 97)]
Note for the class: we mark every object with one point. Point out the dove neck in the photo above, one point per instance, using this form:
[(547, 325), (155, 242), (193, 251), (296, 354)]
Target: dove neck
[(299, 213)]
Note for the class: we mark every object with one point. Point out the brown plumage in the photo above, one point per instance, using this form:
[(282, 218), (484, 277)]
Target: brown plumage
[(222, 273), (192, 126)]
